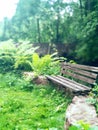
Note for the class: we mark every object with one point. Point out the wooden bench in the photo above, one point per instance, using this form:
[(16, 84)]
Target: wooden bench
[(76, 77)]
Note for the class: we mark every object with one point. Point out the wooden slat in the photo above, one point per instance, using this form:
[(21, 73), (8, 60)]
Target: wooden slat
[(73, 84), (59, 82), (77, 76), (87, 74), (84, 67), (68, 84), (82, 72)]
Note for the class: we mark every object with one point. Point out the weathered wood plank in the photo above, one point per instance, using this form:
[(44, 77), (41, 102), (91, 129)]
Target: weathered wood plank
[(74, 82), (82, 72), (59, 82), (77, 76), (84, 67), (74, 87), (71, 83)]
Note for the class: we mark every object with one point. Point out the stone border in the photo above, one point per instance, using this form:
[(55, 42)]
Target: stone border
[(80, 110)]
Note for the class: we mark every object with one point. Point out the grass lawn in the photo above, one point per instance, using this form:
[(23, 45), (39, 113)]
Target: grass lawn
[(25, 106)]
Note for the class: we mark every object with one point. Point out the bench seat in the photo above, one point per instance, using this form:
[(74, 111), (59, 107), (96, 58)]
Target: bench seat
[(76, 77), (71, 84)]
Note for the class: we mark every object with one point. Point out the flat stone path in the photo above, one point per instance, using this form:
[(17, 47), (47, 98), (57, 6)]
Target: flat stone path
[(80, 109)]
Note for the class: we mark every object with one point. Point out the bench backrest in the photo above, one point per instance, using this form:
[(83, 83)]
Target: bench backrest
[(86, 74)]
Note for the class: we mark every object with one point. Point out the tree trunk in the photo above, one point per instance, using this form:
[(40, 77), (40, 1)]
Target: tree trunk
[(4, 29), (58, 23), (87, 7), (81, 8), (38, 29)]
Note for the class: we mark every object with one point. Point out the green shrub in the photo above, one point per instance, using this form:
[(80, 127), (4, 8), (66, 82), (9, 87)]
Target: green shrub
[(93, 97), (23, 63), (6, 63), (45, 65), (95, 90), (7, 52), (23, 57), (41, 65), (16, 56)]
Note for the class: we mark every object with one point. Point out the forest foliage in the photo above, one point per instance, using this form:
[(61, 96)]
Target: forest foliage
[(56, 21)]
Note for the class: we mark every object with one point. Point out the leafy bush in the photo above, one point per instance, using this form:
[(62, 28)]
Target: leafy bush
[(40, 65), (7, 52), (94, 97), (23, 56), (16, 56), (45, 65)]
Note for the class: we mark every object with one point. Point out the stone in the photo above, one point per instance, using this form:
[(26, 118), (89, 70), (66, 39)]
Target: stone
[(80, 110), (40, 80), (36, 79), (29, 74)]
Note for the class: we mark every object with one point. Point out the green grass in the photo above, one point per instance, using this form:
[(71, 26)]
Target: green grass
[(25, 106)]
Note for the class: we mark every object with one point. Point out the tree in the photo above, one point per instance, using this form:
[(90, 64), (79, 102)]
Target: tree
[(87, 50), (57, 21)]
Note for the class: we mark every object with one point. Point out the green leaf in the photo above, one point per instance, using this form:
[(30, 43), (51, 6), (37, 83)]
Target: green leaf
[(73, 128)]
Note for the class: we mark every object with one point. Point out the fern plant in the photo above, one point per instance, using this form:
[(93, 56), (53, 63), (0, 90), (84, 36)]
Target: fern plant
[(40, 65), (45, 64), (14, 56), (23, 57)]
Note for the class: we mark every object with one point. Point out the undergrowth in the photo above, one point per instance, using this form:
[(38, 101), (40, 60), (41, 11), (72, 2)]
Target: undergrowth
[(26, 106)]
